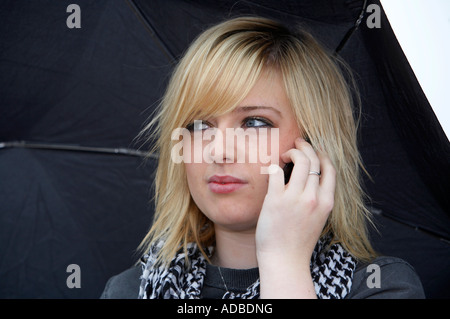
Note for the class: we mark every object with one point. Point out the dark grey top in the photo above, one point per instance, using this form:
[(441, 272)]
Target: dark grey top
[(397, 280)]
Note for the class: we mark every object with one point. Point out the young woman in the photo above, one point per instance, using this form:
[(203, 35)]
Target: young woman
[(229, 226)]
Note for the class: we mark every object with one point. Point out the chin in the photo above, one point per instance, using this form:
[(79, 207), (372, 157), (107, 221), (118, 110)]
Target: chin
[(232, 219)]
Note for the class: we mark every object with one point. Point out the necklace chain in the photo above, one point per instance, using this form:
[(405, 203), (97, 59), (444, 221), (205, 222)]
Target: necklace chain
[(223, 280)]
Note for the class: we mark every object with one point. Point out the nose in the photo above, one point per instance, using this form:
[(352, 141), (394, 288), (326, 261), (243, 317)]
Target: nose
[(222, 148)]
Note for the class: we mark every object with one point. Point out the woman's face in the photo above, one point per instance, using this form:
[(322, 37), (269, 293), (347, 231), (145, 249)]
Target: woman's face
[(227, 185)]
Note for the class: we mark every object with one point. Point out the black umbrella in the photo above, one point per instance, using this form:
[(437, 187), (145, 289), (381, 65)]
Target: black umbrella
[(74, 187)]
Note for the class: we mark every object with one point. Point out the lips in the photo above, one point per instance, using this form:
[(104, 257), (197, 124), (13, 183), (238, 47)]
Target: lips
[(225, 184)]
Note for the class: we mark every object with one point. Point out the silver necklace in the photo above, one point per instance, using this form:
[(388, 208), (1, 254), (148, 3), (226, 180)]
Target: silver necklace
[(223, 280)]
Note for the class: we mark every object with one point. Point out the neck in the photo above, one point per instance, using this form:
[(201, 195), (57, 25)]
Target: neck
[(235, 249)]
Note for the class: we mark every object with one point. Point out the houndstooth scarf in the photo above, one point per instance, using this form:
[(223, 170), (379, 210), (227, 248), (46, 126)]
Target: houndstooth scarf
[(331, 269)]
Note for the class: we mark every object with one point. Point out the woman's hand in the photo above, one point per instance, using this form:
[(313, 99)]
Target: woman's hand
[(291, 221)]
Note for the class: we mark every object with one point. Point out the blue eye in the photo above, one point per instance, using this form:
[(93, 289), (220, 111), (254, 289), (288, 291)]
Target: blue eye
[(257, 122), (198, 125)]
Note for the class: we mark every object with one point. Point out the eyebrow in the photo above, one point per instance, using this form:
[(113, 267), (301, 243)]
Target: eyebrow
[(252, 108)]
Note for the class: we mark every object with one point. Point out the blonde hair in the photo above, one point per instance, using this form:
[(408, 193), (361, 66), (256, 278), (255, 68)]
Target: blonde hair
[(215, 74)]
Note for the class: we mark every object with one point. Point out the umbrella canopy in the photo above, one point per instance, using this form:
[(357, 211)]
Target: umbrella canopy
[(73, 185), (75, 191)]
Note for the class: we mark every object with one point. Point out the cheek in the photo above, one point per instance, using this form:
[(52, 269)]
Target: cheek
[(267, 147), (287, 141), (194, 175), (197, 185), (258, 183)]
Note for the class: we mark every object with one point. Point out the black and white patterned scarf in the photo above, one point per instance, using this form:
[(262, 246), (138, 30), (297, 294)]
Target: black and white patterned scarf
[(331, 269)]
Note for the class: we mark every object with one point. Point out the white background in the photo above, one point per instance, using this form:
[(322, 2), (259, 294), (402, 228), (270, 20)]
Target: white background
[(422, 28)]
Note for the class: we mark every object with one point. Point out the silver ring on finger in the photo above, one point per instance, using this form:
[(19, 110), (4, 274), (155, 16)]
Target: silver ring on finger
[(314, 173)]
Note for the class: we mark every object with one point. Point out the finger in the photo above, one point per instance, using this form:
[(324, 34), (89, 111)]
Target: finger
[(305, 161), (328, 177), (276, 180), (300, 170), (312, 181)]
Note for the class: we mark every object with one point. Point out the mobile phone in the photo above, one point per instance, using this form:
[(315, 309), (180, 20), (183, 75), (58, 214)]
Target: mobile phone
[(287, 172)]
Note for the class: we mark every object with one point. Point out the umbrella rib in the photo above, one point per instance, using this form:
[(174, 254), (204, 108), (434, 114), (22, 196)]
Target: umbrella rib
[(352, 29), (424, 230), (77, 148), (148, 26)]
